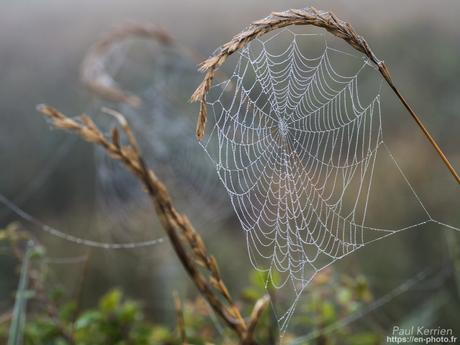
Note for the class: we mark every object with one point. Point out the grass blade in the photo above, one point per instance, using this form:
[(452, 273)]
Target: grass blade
[(16, 332)]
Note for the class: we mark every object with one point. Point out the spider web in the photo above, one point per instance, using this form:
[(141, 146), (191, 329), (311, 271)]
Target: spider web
[(295, 142), (165, 132)]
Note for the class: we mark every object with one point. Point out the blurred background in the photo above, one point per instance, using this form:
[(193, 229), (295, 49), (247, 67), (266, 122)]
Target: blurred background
[(71, 186)]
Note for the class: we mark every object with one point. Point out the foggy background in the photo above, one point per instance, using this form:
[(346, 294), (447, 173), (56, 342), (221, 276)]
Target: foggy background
[(53, 176)]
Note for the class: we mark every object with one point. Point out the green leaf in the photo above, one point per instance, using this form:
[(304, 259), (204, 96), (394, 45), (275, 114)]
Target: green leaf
[(111, 301), (258, 280), (3, 235), (87, 319), (130, 312), (68, 311), (251, 294), (344, 296), (160, 335), (328, 312)]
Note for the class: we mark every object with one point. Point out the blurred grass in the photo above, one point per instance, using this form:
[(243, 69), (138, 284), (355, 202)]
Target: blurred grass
[(18, 321)]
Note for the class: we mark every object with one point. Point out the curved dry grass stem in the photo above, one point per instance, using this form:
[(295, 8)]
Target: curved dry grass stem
[(308, 16), (94, 72), (187, 243), (257, 311), (93, 69)]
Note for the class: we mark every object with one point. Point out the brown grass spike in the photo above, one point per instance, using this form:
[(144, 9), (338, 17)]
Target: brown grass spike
[(308, 16)]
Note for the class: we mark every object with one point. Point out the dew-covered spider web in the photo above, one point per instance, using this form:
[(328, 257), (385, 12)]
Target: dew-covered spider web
[(296, 136)]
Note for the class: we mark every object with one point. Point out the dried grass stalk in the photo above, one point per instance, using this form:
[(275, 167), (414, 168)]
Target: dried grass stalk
[(180, 318), (187, 243), (256, 314), (93, 69), (308, 16)]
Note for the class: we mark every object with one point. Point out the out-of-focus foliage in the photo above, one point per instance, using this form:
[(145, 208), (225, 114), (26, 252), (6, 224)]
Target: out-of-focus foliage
[(53, 319), (330, 298)]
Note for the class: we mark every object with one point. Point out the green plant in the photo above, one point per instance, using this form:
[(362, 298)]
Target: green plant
[(119, 320), (15, 335)]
